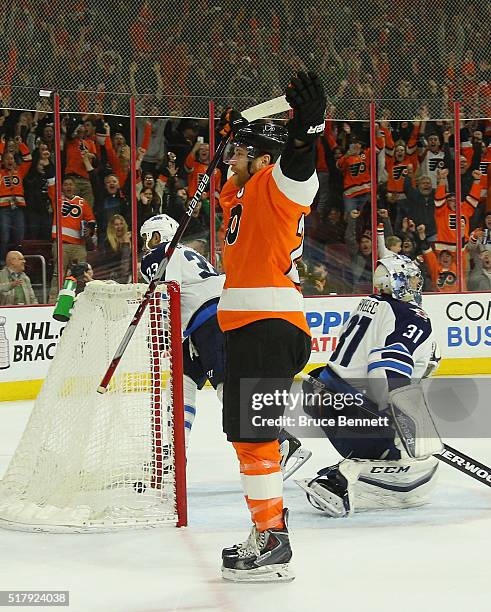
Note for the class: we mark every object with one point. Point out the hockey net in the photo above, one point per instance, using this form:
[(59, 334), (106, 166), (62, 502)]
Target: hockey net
[(92, 462)]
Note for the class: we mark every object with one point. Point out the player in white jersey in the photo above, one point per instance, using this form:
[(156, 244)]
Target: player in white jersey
[(386, 344), (203, 352), (201, 287)]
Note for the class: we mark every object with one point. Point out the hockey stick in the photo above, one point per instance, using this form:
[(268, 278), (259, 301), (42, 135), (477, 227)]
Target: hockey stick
[(448, 455), (265, 109), (465, 464)]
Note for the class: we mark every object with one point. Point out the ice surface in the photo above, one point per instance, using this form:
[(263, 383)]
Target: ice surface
[(433, 558)]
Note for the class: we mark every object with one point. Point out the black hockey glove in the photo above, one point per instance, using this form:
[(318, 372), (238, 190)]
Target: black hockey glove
[(231, 122), (306, 96)]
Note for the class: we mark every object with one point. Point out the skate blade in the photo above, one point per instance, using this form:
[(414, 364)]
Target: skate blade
[(324, 504), (301, 455), (280, 572)]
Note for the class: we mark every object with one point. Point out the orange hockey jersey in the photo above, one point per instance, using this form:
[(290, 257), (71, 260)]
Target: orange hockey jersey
[(72, 213), (446, 219), (74, 161), (485, 168), (444, 279), (264, 238), (356, 172), (198, 170), (12, 186), (397, 171)]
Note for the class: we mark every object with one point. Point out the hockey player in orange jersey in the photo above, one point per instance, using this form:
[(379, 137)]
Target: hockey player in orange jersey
[(261, 309)]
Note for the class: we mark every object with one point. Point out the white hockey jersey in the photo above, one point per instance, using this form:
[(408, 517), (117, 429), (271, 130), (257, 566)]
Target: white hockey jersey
[(384, 344), (430, 165), (201, 285)]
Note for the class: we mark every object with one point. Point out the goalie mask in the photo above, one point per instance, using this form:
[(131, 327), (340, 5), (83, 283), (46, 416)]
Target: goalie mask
[(257, 139), (399, 277), (163, 224)]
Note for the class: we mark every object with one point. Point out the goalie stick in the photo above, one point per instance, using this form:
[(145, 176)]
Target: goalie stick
[(448, 455), (265, 109)]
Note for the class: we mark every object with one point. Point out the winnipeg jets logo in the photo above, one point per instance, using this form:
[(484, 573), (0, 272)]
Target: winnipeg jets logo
[(419, 312)]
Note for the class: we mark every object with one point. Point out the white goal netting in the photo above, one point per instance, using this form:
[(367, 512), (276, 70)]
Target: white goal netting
[(88, 461)]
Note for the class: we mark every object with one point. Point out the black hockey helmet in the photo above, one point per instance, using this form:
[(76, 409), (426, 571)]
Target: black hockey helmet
[(259, 138)]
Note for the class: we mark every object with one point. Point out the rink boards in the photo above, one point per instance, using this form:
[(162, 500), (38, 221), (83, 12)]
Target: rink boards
[(461, 322)]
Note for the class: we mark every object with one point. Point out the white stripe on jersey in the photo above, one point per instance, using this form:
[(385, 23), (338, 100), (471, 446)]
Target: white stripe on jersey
[(199, 281), (383, 339)]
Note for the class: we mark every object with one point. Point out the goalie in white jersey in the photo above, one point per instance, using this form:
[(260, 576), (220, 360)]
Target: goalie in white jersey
[(201, 287), (386, 345)]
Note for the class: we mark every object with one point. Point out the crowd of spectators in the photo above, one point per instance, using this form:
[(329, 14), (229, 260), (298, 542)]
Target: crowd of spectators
[(95, 210), (415, 202), (175, 60)]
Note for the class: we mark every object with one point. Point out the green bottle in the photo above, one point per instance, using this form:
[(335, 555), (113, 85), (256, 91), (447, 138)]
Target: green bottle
[(66, 297)]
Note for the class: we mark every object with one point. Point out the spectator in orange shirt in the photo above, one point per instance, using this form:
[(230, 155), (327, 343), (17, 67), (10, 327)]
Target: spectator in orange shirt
[(77, 231), (12, 202), (445, 211), (442, 266), (399, 156), (75, 145), (196, 164)]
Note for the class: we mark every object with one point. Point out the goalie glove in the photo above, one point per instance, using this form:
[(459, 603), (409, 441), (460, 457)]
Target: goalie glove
[(231, 122), (306, 96)]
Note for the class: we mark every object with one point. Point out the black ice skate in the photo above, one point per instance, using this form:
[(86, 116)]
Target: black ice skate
[(263, 557), (292, 452)]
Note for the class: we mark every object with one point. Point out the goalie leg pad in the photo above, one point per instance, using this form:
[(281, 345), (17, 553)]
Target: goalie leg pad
[(413, 421), (359, 485), (395, 484)]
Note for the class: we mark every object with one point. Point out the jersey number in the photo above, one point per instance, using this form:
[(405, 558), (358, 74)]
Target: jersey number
[(233, 225), (413, 332), (205, 266), (362, 324)]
